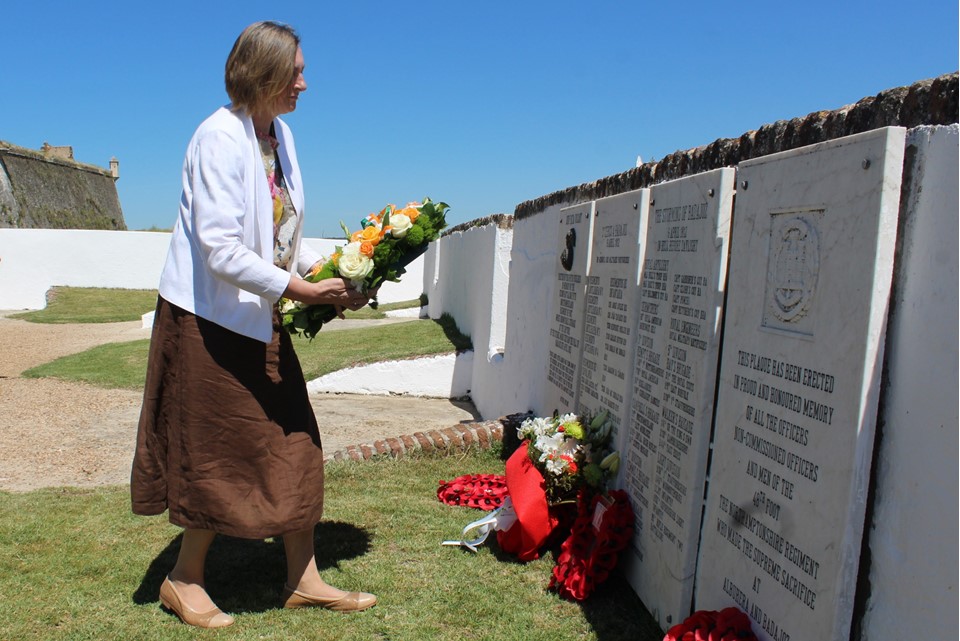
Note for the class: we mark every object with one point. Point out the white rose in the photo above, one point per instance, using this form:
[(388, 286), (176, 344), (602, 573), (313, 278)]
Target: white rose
[(401, 225), (353, 265), (287, 305)]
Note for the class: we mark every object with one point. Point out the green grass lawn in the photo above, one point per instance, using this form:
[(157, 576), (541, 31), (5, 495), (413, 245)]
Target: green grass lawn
[(76, 564), (92, 305), (382, 308), (123, 365), (110, 305)]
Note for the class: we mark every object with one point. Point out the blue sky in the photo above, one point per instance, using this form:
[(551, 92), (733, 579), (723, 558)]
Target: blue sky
[(481, 104)]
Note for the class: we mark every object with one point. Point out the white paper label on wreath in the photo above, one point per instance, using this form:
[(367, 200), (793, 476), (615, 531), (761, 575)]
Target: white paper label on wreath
[(598, 513), (506, 516)]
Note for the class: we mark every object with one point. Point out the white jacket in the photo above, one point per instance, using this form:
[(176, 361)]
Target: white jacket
[(220, 262)]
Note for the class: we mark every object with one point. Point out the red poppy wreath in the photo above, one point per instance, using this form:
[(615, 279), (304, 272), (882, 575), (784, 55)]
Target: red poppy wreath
[(481, 491), (602, 529)]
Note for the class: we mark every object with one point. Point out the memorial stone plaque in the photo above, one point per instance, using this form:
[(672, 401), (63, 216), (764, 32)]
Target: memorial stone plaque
[(610, 313), (813, 247), (566, 317), (674, 380)]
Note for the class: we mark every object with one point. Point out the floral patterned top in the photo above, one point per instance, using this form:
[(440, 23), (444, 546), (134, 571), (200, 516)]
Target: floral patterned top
[(285, 217)]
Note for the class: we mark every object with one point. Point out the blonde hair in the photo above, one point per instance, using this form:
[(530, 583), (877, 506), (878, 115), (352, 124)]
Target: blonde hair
[(261, 64)]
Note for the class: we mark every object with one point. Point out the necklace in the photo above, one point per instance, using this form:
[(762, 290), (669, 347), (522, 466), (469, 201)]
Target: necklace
[(274, 143)]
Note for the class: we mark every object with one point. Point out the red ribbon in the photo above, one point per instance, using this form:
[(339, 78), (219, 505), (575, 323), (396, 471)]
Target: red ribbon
[(535, 522)]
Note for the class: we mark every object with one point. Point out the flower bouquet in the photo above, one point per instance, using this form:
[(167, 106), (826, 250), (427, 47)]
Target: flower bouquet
[(570, 453), (379, 251), (559, 458), (576, 462), (556, 485)]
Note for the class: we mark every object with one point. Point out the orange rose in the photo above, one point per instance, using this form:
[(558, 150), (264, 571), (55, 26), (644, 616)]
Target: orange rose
[(410, 212), (355, 236), (318, 266), (369, 234), (366, 248)]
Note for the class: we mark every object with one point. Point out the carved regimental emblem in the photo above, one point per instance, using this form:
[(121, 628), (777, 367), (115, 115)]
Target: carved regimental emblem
[(793, 268), (566, 256)]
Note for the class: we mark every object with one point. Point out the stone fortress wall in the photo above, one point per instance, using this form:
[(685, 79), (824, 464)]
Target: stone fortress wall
[(927, 102), (47, 189)]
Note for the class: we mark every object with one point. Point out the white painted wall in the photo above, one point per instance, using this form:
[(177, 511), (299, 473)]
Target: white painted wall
[(520, 384), (469, 279), (440, 376), (913, 538), (34, 260)]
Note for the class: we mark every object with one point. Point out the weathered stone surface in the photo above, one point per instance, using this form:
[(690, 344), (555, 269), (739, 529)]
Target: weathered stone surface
[(565, 320), (796, 407), (40, 192), (927, 102), (612, 307), (503, 221), (666, 437)]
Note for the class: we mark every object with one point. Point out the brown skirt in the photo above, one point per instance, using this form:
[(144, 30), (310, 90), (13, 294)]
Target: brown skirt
[(227, 439)]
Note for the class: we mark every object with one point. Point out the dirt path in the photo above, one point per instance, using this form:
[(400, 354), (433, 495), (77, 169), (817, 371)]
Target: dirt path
[(55, 433)]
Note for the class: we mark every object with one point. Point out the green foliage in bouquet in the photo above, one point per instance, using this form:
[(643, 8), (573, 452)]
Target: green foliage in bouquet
[(380, 251), (391, 258)]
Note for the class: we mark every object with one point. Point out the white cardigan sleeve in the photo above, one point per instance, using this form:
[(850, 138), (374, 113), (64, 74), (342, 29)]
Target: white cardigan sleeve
[(218, 211)]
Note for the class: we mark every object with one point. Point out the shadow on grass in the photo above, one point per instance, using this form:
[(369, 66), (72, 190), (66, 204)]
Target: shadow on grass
[(613, 610), (614, 606), (248, 575), (449, 325)]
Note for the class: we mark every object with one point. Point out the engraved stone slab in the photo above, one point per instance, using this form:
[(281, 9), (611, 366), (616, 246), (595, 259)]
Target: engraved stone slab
[(675, 364), (611, 302), (574, 229), (813, 245)]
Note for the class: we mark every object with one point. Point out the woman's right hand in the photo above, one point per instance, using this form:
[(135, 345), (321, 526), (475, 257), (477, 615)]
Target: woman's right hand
[(330, 291)]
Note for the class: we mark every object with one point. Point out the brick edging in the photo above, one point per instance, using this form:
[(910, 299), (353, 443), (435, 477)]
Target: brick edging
[(449, 439)]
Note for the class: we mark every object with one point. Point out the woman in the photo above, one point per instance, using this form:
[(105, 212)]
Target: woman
[(227, 440)]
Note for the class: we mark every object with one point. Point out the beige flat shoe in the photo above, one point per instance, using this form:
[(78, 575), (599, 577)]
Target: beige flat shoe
[(171, 600), (349, 602)]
